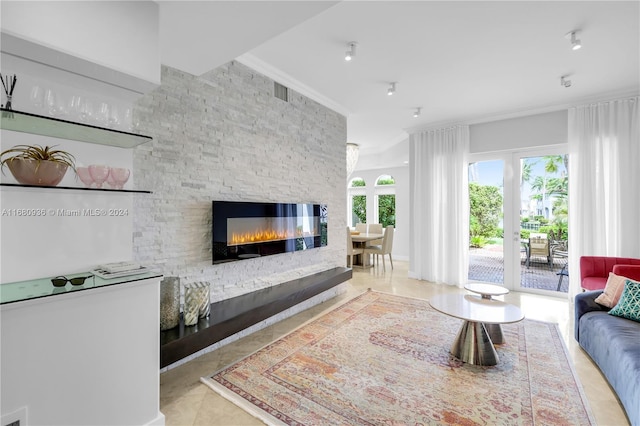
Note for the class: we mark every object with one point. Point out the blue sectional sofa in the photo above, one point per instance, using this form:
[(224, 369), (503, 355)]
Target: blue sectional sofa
[(614, 345)]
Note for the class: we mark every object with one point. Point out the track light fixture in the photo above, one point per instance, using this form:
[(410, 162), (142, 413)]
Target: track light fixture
[(564, 81), (417, 112), (392, 89), (349, 54), (575, 43)]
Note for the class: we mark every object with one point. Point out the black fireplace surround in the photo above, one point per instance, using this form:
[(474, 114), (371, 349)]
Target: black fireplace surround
[(244, 230)]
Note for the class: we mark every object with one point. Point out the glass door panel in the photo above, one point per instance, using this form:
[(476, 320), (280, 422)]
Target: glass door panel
[(486, 222), (543, 218)]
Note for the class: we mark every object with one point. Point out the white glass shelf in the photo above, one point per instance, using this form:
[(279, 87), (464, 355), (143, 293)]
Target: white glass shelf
[(75, 188), (26, 122), (42, 287)]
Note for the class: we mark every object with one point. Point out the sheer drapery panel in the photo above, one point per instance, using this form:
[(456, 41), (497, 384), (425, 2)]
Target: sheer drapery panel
[(439, 205), (604, 182)]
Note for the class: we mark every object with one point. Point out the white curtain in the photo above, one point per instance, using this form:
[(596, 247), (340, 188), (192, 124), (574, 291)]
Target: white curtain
[(604, 182), (439, 205)]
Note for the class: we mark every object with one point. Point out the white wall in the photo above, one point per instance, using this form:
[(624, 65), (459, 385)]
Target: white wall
[(104, 43), (517, 133), (108, 40), (33, 247)]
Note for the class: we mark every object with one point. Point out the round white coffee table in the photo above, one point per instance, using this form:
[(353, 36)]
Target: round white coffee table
[(473, 344), (487, 291)]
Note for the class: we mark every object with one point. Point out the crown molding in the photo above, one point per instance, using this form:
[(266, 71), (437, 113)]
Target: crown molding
[(285, 79)]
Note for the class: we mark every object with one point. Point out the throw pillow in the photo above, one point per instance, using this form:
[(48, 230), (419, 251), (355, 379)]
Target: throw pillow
[(612, 291), (629, 305)]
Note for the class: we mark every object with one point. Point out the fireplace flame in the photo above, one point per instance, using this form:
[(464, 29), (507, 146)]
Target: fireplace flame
[(265, 235)]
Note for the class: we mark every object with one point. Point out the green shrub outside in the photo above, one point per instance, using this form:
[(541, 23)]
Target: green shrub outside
[(485, 211), (478, 241)]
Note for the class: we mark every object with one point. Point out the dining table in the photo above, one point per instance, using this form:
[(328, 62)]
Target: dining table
[(360, 240)]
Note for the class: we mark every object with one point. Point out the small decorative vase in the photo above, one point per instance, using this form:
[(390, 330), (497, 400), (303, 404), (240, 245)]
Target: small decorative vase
[(191, 311), (169, 303), (205, 300)]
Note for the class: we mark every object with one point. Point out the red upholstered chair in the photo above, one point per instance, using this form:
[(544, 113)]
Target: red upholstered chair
[(594, 270)]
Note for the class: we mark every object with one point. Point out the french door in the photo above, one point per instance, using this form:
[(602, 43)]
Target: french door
[(516, 197)]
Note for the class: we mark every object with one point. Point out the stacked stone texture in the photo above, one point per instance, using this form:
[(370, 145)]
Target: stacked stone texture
[(224, 136)]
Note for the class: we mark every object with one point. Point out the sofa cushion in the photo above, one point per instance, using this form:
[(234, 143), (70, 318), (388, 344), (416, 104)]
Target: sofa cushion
[(585, 302), (612, 291), (630, 271), (614, 345), (629, 305)]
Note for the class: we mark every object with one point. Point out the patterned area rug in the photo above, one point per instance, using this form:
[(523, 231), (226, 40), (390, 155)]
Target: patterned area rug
[(381, 359)]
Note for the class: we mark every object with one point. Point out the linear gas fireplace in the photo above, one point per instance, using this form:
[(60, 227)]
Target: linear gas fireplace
[(243, 230)]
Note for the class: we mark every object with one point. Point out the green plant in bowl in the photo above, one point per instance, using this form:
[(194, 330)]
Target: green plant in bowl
[(37, 165)]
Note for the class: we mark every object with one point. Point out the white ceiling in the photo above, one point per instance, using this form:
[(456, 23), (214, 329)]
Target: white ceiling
[(198, 36), (460, 61)]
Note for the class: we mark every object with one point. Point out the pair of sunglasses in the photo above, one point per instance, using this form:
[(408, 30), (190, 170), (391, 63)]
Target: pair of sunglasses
[(62, 281)]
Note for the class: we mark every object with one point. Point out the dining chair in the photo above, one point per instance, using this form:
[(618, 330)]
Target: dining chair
[(352, 251), (385, 248), (361, 227), (370, 228), (375, 228), (539, 246)]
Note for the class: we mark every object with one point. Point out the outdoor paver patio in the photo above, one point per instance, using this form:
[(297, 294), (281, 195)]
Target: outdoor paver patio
[(487, 264)]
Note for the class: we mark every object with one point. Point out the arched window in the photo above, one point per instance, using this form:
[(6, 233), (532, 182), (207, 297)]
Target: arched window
[(357, 182), (357, 202), (385, 201), (385, 180)]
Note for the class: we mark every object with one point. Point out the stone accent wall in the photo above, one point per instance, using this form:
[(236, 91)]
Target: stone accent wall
[(224, 136)]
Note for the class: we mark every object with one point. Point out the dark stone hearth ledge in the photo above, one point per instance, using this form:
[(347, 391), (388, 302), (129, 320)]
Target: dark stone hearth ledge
[(233, 315)]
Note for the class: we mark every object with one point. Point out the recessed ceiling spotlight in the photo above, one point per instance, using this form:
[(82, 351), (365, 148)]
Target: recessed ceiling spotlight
[(575, 43), (564, 81), (351, 53), (392, 89), (417, 112)]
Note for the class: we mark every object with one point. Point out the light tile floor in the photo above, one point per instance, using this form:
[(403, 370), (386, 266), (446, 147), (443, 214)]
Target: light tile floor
[(184, 400)]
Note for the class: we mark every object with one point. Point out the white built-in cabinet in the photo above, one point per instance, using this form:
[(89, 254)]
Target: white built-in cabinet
[(76, 355), (85, 356), (89, 354)]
